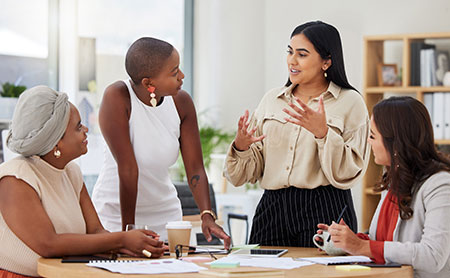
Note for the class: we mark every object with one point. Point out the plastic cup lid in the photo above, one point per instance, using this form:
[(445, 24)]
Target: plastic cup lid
[(179, 225)]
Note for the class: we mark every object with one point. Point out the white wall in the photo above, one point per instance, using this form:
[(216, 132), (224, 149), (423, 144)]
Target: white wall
[(228, 58), (240, 45)]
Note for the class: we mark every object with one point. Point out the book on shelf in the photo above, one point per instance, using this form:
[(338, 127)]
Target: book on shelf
[(428, 67), (416, 48)]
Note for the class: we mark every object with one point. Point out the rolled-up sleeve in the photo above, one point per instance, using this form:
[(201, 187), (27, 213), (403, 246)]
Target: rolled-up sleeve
[(343, 158), (245, 166)]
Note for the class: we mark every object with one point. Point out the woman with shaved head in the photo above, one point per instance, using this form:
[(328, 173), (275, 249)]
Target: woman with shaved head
[(146, 120)]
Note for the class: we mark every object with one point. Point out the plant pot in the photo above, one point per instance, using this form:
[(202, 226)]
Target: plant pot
[(7, 105)]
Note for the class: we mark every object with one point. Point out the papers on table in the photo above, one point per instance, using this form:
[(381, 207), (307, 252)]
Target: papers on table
[(147, 266), (280, 263), (203, 249), (336, 260)]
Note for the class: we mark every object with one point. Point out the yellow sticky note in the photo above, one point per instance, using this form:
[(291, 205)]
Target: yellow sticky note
[(352, 267)]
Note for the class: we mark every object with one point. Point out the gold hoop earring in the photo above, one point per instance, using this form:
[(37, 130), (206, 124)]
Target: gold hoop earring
[(57, 153)]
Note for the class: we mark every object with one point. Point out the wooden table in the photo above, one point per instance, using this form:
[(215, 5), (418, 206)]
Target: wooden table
[(54, 268)]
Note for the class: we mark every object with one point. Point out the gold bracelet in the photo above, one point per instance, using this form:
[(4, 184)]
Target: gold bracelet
[(207, 211)]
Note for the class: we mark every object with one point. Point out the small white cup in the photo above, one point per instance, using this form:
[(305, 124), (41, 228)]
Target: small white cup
[(327, 244)]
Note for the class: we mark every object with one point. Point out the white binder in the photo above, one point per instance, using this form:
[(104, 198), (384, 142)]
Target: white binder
[(447, 116), (438, 115), (428, 102)]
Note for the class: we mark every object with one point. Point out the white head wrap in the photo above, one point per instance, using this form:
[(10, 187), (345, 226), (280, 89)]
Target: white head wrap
[(39, 122)]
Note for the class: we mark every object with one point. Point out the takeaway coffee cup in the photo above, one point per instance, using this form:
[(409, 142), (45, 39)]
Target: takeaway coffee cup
[(327, 244), (178, 232)]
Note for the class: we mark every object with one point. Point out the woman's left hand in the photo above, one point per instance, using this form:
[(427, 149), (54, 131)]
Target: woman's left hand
[(314, 121), (209, 226), (343, 237)]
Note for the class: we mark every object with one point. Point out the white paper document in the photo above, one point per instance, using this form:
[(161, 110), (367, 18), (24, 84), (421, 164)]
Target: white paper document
[(336, 260), (148, 266), (280, 263), (204, 250)]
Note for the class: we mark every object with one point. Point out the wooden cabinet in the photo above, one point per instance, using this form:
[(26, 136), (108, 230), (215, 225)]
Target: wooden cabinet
[(389, 49)]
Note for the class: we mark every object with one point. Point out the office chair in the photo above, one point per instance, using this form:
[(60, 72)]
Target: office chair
[(189, 207), (238, 217)]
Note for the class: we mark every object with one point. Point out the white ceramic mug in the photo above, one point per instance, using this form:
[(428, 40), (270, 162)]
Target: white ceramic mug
[(327, 244)]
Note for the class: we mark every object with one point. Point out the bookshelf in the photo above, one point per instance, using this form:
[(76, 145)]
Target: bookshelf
[(375, 53)]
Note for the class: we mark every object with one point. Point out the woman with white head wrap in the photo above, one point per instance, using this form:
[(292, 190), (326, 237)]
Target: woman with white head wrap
[(39, 121), (46, 130)]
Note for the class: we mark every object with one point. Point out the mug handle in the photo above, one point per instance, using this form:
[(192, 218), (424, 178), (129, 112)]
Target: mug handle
[(315, 242)]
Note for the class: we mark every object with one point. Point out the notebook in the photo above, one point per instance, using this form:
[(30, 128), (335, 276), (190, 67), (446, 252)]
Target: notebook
[(267, 253), (147, 266), (244, 272), (87, 258), (336, 260)]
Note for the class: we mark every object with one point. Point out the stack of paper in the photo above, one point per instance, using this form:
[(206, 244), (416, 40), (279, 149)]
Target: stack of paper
[(147, 266), (280, 263), (336, 260)]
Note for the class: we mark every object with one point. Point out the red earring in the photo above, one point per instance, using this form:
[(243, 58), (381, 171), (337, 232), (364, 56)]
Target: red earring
[(151, 90)]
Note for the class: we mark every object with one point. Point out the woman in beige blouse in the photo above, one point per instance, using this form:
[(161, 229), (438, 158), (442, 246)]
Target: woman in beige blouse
[(306, 143), (45, 208)]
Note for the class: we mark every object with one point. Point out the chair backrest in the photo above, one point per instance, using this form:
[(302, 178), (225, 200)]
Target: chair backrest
[(7, 153), (188, 205), (243, 217)]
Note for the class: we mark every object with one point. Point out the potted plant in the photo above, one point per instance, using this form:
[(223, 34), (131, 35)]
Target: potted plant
[(9, 94), (213, 140)]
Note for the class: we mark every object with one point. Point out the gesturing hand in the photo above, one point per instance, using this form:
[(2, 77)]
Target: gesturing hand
[(314, 121), (244, 137)]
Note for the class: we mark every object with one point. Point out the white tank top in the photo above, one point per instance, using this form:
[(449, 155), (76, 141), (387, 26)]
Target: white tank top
[(154, 134)]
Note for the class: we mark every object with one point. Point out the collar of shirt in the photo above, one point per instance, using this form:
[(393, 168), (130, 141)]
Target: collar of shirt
[(333, 89)]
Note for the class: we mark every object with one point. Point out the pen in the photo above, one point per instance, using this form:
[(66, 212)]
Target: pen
[(339, 219), (341, 215)]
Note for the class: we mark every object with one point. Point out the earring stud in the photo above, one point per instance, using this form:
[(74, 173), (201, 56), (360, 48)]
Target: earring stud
[(57, 153)]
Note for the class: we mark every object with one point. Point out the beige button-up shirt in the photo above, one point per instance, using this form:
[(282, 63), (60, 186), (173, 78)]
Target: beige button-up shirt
[(290, 155)]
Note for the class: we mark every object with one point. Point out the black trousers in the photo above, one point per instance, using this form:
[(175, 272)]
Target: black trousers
[(289, 216)]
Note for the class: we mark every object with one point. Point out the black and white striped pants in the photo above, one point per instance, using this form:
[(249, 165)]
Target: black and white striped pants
[(289, 216)]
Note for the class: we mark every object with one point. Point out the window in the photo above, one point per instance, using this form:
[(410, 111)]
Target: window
[(24, 42)]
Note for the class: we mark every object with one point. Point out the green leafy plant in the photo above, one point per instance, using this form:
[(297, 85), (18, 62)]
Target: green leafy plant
[(212, 140), (11, 90)]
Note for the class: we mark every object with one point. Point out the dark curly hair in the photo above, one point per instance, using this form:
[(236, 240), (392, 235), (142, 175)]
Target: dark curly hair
[(407, 131)]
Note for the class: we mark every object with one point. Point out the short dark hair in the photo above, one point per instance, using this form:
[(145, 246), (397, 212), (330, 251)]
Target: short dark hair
[(407, 131), (146, 57), (327, 42)]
